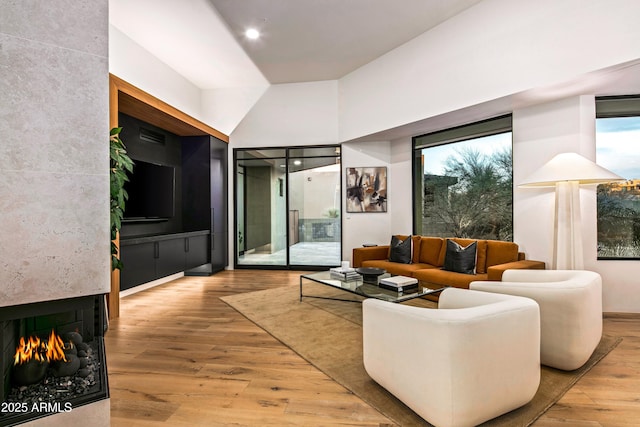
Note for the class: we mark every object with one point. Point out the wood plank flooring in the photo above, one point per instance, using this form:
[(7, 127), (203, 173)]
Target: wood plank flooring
[(178, 356)]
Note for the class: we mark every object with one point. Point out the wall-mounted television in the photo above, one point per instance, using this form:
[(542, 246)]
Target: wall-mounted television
[(151, 190)]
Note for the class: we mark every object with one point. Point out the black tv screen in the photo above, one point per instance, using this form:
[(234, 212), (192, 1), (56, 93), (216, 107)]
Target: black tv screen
[(151, 190)]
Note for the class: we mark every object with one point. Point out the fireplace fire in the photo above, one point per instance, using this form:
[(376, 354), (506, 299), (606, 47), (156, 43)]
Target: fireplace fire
[(33, 357), (52, 358)]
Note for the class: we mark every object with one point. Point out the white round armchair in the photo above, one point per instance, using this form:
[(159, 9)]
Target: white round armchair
[(474, 358), (570, 311)]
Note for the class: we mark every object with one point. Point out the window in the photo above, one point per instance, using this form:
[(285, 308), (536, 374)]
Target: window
[(463, 181), (618, 149)]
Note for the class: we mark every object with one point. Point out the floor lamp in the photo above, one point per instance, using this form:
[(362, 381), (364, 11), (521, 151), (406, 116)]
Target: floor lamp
[(566, 172)]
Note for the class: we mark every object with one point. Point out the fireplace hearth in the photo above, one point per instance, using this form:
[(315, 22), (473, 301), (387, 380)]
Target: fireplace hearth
[(52, 358)]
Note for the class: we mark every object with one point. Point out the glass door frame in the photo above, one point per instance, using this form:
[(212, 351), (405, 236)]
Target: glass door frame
[(287, 158)]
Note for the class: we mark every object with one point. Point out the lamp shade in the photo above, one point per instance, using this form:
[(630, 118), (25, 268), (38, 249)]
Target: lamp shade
[(569, 167)]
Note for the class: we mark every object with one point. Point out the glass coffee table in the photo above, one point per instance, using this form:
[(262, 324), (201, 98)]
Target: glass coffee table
[(363, 289)]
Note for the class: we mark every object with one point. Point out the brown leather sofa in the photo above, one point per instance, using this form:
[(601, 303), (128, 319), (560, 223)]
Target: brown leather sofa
[(493, 257)]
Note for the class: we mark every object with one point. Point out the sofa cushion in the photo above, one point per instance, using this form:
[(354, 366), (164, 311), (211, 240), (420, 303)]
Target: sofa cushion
[(436, 277), (460, 259), (372, 252), (429, 250), (417, 244), (396, 268), (481, 253), (415, 249), (400, 250), (499, 252)]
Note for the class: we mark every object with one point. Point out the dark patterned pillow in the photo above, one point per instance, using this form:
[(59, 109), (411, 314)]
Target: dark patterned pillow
[(400, 250), (459, 259)]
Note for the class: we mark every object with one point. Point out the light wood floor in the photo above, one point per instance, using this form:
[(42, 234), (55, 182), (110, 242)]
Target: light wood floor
[(178, 356)]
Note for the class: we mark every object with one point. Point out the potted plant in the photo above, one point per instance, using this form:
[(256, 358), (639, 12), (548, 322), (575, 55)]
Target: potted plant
[(121, 163), (332, 213)]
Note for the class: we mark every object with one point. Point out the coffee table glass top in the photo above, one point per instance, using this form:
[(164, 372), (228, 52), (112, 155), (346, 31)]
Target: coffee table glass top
[(367, 290)]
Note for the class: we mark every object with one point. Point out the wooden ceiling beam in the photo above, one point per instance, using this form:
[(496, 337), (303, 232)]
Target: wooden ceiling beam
[(143, 106)]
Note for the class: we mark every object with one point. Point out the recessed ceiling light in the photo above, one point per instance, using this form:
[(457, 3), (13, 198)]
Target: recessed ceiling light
[(252, 34), (297, 162)]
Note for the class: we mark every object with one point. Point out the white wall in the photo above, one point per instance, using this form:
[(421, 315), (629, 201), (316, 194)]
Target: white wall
[(291, 114), (539, 133), (494, 49), (311, 193), (224, 108), (221, 108), (278, 211), (135, 65), (363, 227), (400, 185)]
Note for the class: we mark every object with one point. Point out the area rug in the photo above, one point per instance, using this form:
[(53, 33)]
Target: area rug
[(328, 334)]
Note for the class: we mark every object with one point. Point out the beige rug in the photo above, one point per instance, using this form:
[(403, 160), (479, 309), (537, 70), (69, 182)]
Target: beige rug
[(328, 334)]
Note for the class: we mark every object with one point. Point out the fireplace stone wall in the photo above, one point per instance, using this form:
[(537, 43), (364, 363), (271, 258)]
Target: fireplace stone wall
[(54, 161), (54, 170)]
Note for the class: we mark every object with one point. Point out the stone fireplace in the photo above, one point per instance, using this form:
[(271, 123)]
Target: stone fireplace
[(54, 178)]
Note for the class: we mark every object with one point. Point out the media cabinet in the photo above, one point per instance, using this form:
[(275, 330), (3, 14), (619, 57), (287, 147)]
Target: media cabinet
[(193, 238), (147, 258)]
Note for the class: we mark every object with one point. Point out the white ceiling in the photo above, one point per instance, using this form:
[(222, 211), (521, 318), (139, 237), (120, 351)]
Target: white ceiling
[(302, 40), (312, 40)]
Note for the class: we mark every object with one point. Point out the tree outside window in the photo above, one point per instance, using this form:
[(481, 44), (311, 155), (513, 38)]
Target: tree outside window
[(618, 149), (466, 188)]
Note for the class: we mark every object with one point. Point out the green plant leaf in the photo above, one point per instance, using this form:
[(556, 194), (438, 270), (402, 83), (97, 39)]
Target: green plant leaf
[(121, 163)]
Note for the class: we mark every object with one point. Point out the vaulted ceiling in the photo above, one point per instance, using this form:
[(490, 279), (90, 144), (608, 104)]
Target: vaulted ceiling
[(325, 40), (302, 40)]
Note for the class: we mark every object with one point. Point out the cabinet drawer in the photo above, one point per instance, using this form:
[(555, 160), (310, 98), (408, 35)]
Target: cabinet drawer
[(138, 264), (170, 257), (197, 249)]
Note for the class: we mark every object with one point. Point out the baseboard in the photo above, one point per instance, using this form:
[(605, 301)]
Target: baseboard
[(149, 285), (612, 315)]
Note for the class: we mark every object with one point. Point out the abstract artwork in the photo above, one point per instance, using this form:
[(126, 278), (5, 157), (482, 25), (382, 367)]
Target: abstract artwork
[(367, 189)]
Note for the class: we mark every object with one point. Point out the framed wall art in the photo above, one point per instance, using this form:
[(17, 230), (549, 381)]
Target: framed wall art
[(367, 189)]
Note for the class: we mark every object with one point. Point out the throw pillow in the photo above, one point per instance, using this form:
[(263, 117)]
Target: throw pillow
[(400, 250), (460, 259)]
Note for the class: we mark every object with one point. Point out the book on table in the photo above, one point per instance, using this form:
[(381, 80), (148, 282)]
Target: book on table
[(345, 274), (399, 283)]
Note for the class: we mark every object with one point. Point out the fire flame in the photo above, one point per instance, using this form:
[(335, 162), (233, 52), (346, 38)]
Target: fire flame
[(40, 350)]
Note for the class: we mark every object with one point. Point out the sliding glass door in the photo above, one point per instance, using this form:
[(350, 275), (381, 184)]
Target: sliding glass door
[(288, 207), (261, 207), (314, 207)]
